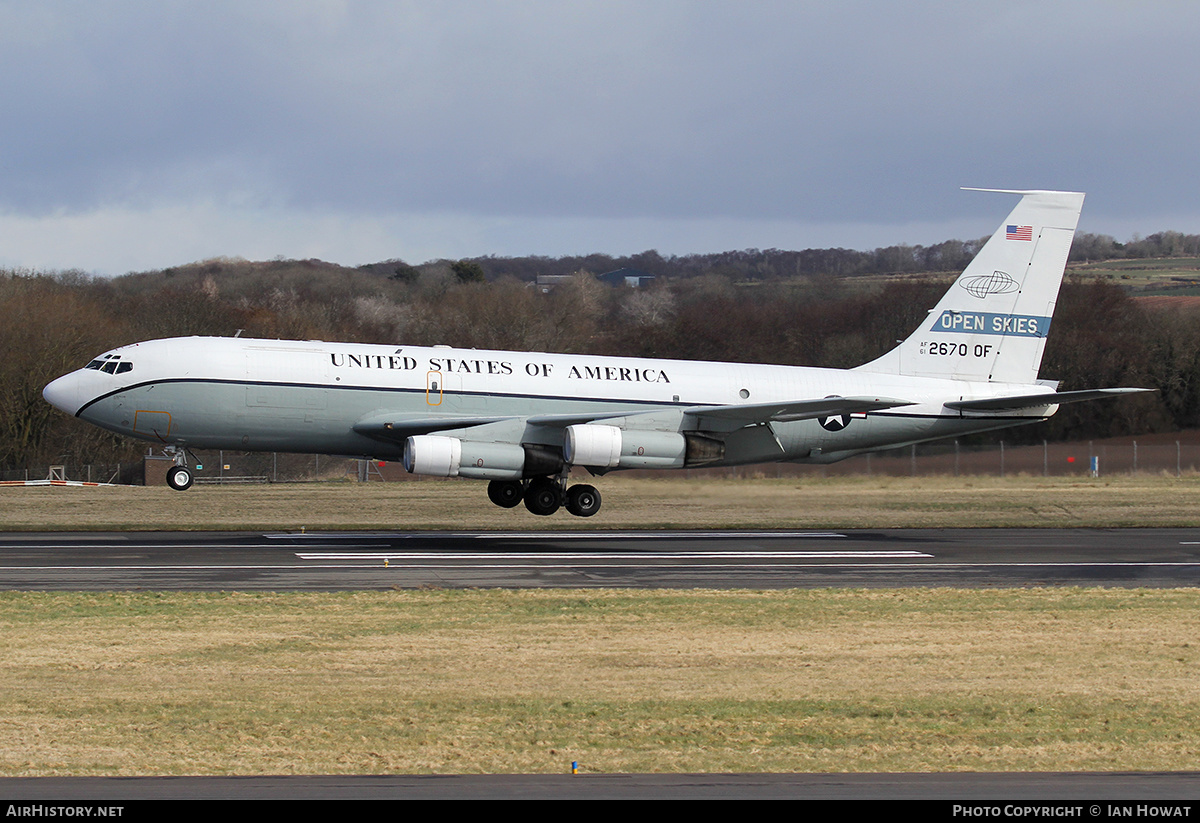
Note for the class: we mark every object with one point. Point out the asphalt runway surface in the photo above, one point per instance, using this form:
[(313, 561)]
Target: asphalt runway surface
[(1086, 795), (971, 558)]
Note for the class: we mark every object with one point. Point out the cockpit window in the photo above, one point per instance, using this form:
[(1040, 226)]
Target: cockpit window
[(110, 364)]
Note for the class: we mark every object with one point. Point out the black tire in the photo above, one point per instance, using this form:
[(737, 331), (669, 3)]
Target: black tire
[(543, 497), (179, 478), (583, 500), (505, 493)]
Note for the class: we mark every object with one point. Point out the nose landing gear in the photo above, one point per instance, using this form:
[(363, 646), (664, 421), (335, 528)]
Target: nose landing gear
[(179, 476)]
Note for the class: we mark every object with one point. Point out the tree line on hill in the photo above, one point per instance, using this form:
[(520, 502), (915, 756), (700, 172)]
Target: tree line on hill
[(777, 264), (797, 308)]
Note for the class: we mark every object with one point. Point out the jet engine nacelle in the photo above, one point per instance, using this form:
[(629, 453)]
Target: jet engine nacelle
[(441, 456), (607, 447), (595, 446), (450, 457)]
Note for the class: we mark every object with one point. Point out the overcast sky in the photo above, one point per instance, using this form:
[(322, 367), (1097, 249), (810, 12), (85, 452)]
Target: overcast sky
[(141, 135)]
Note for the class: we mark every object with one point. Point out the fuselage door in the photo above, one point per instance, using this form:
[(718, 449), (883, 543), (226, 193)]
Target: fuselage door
[(152, 424)]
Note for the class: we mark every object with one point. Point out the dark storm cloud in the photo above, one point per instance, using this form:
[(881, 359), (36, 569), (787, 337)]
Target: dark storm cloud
[(869, 112)]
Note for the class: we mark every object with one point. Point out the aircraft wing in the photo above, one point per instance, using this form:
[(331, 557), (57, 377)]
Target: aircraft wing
[(727, 418), (1033, 401), (398, 428)]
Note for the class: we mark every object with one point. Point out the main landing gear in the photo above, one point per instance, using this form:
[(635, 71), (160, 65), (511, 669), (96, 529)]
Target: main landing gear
[(545, 495)]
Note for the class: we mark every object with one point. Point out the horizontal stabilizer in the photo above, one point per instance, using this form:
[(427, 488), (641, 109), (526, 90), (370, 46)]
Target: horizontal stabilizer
[(751, 413), (1033, 401)]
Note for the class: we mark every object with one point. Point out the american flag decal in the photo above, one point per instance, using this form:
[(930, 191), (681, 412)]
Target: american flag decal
[(1018, 233)]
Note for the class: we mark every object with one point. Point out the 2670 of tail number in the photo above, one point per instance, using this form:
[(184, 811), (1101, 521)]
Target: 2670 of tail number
[(956, 349)]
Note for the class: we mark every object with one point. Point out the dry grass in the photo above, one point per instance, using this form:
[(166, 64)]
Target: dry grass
[(527, 681), (852, 502)]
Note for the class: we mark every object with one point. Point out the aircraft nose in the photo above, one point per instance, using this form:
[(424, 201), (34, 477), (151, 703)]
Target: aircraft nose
[(65, 393)]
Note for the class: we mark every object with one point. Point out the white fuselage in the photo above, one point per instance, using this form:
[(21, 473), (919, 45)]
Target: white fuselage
[(309, 396)]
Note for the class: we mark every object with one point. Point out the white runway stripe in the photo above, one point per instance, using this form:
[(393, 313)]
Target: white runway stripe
[(600, 535), (586, 556)]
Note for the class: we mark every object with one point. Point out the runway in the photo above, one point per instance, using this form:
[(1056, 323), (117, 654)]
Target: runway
[(295, 561), (1067, 795)]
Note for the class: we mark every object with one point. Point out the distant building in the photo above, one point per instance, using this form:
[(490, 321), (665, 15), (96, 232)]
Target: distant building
[(633, 278), (546, 282)]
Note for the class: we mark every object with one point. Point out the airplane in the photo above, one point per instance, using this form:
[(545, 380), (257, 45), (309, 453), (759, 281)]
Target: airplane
[(522, 420)]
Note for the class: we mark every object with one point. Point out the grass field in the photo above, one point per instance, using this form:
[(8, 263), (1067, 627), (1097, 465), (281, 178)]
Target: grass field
[(1168, 275), (850, 502), (528, 681)]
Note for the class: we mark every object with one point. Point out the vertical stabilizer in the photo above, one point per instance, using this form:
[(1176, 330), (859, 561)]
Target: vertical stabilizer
[(992, 323)]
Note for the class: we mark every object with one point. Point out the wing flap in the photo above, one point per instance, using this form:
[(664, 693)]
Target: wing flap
[(564, 420), (722, 417)]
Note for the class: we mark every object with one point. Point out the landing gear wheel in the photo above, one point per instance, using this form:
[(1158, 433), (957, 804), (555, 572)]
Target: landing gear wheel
[(179, 478), (505, 493), (543, 497), (583, 500)]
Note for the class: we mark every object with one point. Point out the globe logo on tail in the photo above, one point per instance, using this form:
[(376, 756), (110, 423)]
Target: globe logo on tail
[(998, 282)]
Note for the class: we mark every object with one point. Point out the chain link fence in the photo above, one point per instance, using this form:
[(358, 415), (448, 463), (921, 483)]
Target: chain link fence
[(952, 458), (1107, 457), (126, 474)]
